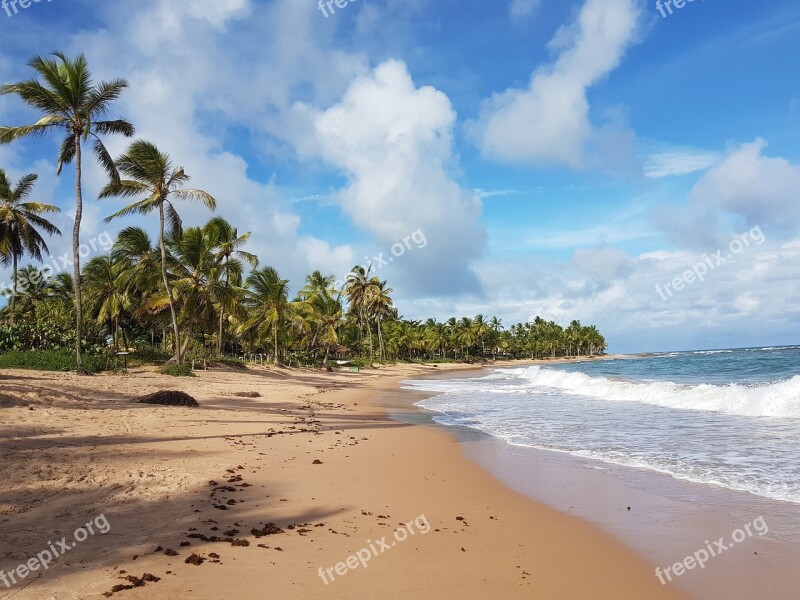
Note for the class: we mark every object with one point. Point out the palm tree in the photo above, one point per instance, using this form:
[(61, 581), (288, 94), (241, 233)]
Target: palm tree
[(107, 290), (358, 289), (19, 220), (35, 290), (229, 255), (151, 174), (325, 315), (267, 299), (72, 102), (379, 305), (481, 329), (196, 279), (497, 326)]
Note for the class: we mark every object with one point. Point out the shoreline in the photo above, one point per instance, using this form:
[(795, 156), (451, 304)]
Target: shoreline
[(661, 517), (164, 477)]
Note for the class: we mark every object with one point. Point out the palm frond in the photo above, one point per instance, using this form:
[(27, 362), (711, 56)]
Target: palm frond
[(197, 196)]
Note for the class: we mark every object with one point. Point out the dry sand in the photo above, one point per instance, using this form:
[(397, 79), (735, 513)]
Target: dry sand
[(311, 456)]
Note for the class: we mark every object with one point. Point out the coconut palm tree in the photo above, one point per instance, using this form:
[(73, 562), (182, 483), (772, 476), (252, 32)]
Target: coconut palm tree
[(269, 308), (325, 314), (379, 306), (155, 181), (107, 287), (481, 329), (74, 104), (35, 290), (19, 221), (196, 278), (229, 255), (496, 326)]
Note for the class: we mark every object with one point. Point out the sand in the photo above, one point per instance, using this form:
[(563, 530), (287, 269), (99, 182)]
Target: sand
[(266, 489)]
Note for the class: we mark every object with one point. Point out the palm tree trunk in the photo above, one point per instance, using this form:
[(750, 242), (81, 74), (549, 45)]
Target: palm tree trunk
[(327, 356), (219, 338), (380, 340), (76, 257), (371, 351), (175, 330), (275, 338), (14, 289)]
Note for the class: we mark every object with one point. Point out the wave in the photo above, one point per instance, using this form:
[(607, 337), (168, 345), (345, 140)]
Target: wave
[(713, 352), (781, 399)]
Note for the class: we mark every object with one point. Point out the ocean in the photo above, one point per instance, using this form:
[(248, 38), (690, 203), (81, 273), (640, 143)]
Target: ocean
[(723, 418)]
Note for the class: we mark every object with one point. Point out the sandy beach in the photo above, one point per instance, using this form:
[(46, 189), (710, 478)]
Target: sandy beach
[(270, 494)]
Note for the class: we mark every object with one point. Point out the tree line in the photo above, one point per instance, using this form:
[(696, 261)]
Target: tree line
[(197, 290)]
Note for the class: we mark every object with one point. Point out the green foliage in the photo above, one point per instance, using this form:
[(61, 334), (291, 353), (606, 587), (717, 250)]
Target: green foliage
[(50, 326), (177, 370), (231, 362), (50, 360), (148, 356)]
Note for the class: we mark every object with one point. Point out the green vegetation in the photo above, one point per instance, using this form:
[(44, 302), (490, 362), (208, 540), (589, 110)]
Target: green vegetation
[(50, 360), (196, 293), (177, 370)]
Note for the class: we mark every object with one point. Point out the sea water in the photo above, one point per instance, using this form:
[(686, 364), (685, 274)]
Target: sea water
[(724, 418)]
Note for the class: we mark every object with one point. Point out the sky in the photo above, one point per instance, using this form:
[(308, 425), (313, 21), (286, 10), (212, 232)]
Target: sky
[(602, 160)]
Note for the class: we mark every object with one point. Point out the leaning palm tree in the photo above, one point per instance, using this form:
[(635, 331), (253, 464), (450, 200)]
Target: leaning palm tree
[(19, 220), (153, 178), (71, 102)]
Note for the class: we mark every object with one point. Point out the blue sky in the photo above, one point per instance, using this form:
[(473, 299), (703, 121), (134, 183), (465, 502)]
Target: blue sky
[(562, 158)]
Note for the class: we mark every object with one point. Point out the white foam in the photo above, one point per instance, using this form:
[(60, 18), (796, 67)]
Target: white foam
[(781, 399)]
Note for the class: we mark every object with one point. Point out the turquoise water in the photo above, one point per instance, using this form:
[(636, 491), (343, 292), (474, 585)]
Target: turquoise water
[(726, 418)]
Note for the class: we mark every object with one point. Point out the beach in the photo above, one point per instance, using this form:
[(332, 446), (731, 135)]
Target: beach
[(312, 457)]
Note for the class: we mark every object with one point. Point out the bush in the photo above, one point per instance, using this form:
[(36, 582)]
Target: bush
[(231, 362), (176, 370), (50, 360)]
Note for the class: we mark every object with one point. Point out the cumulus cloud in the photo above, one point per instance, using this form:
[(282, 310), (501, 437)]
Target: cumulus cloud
[(603, 264), (746, 189), (548, 122), (394, 142), (761, 189)]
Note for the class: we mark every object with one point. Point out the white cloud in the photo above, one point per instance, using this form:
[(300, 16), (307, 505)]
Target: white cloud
[(664, 160), (548, 122), (763, 190), (746, 189), (394, 141)]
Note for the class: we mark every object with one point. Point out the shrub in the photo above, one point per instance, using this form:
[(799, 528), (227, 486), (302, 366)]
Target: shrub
[(50, 360), (231, 362), (176, 370)]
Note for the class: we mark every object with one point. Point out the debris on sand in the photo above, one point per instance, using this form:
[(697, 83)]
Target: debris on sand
[(168, 398), (268, 529)]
